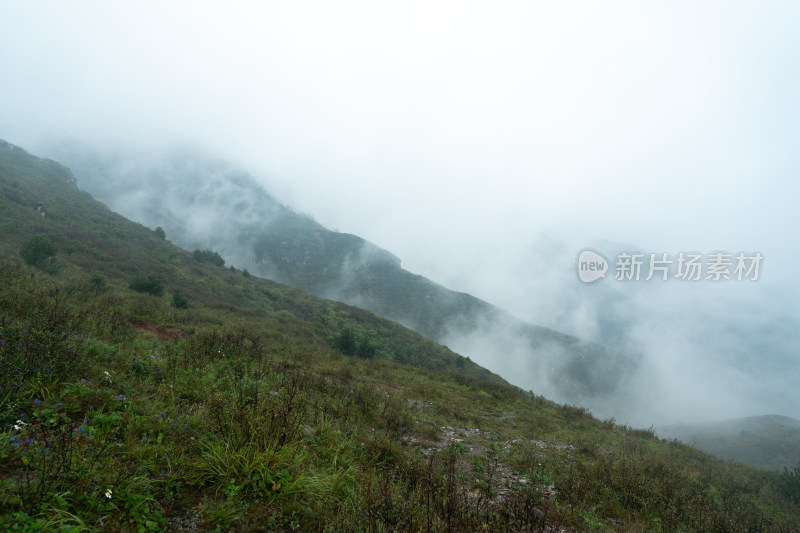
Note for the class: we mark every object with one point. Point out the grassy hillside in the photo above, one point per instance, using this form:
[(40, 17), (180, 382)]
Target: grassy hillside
[(203, 203), (38, 196), (124, 411), (771, 442)]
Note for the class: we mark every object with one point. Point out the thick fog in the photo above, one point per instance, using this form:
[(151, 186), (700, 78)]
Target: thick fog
[(486, 145)]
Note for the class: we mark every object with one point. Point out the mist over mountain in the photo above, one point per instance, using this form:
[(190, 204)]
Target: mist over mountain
[(205, 203), (483, 145), (681, 362), (240, 403), (770, 442)]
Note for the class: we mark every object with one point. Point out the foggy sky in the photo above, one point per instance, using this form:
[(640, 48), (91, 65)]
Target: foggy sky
[(485, 144)]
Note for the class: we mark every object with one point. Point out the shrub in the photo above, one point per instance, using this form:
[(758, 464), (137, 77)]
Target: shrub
[(366, 350), (159, 231), (346, 341), (37, 250), (208, 256), (98, 281), (147, 284), (790, 484), (179, 301)]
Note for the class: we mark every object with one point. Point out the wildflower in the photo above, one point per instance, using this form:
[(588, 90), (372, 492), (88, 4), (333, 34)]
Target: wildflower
[(108, 493), (37, 401), (19, 425), (108, 376)]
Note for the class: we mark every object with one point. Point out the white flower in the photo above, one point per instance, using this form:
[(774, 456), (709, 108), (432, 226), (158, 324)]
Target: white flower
[(108, 493), (19, 425), (108, 376)]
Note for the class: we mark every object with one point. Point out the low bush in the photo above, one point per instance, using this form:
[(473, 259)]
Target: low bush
[(147, 284), (208, 256)]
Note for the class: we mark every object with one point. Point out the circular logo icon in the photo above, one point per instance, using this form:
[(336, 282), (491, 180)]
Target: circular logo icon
[(591, 266)]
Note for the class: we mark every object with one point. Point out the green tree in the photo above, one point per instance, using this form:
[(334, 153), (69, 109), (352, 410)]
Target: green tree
[(147, 284), (160, 232), (346, 341), (36, 250), (98, 281), (179, 301), (366, 350)]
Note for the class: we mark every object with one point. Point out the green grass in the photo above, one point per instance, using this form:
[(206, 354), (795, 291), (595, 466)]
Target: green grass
[(240, 413)]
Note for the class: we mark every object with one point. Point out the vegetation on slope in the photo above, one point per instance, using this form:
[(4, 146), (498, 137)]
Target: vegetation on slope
[(91, 238), (119, 411)]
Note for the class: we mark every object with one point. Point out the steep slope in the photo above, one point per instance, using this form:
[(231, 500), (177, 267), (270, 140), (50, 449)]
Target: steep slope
[(204, 203), (770, 442), (125, 410), (91, 237)]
